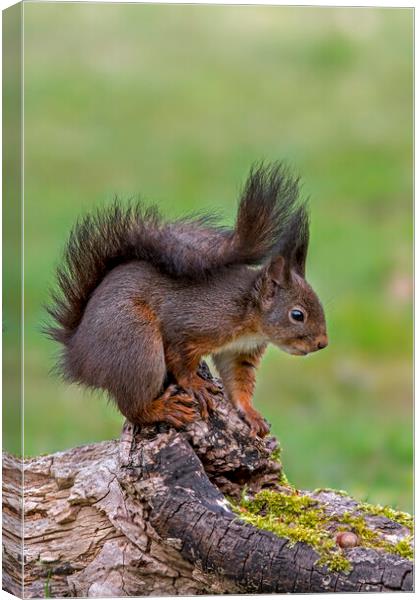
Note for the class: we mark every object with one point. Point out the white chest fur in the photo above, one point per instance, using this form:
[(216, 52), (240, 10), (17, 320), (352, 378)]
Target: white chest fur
[(245, 343)]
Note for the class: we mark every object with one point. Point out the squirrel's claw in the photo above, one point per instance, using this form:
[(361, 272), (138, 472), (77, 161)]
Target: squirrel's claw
[(202, 390), (205, 402), (211, 387), (256, 422)]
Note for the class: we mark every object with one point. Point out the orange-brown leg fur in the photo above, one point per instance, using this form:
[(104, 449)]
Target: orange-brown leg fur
[(237, 371)]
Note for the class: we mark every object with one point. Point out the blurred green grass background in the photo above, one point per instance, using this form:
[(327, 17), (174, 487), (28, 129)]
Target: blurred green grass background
[(175, 103)]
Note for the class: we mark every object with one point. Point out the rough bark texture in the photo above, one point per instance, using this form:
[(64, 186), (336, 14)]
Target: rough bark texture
[(147, 515)]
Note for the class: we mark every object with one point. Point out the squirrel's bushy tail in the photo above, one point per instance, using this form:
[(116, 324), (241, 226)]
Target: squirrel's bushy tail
[(188, 248)]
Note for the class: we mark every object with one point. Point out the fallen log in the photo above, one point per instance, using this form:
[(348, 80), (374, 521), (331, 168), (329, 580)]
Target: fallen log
[(162, 512)]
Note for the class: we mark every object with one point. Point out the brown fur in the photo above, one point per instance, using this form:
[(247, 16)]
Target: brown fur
[(137, 321)]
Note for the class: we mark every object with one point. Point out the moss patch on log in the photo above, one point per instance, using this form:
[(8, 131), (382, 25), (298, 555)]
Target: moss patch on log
[(301, 518), (296, 517), (371, 539), (403, 518)]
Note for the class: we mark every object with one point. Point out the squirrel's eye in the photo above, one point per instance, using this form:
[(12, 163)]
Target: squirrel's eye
[(297, 315)]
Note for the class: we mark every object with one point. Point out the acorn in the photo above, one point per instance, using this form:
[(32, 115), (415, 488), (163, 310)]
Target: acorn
[(347, 539)]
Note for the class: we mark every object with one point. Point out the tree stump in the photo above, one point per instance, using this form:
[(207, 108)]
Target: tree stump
[(152, 514)]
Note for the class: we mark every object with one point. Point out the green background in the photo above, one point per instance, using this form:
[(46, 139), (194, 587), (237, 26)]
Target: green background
[(175, 103)]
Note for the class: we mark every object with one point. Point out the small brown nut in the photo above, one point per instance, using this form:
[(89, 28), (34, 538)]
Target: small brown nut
[(347, 539)]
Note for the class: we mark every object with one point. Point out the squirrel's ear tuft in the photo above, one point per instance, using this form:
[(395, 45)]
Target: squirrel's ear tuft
[(294, 245), (301, 248), (299, 259)]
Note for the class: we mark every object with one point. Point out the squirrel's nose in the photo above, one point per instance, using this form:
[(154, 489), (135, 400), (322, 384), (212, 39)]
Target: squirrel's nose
[(322, 342)]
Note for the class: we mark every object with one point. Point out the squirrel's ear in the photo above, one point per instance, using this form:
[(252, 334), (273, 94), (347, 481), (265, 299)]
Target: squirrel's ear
[(277, 270), (272, 276)]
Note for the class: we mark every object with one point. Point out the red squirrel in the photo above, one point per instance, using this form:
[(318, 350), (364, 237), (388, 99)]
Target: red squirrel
[(141, 301)]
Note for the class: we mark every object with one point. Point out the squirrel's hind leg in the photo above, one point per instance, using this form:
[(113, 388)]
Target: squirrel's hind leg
[(148, 402), (144, 399), (118, 347)]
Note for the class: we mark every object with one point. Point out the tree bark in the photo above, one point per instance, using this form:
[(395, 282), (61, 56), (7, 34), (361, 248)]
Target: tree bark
[(148, 515)]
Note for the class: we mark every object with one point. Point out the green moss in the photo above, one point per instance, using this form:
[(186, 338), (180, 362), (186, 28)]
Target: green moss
[(300, 518), (404, 548), (398, 516), (276, 455), (297, 518), (336, 561), (371, 539)]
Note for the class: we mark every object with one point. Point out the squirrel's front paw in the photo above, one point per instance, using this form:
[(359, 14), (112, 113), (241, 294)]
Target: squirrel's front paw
[(256, 422)]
